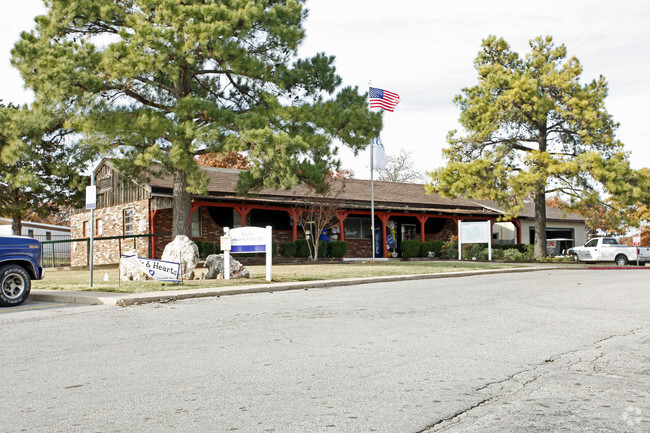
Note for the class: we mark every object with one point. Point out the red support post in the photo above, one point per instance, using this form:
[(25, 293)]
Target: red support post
[(517, 224), (243, 211), (423, 219), (294, 214), (342, 216), (152, 230)]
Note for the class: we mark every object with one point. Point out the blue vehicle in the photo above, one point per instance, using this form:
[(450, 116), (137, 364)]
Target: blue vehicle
[(20, 263)]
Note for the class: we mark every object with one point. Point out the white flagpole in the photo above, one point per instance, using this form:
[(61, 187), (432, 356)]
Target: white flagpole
[(372, 185)]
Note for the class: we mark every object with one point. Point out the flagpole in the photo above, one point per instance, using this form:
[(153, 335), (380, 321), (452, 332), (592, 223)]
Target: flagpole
[(372, 186)]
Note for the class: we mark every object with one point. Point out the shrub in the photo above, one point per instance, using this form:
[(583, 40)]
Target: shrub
[(449, 249), (337, 249), (514, 255), (205, 248), (435, 246), (322, 249), (288, 249), (425, 247), (410, 248), (302, 249)]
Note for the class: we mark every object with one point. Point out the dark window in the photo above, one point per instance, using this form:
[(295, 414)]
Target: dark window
[(357, 228)]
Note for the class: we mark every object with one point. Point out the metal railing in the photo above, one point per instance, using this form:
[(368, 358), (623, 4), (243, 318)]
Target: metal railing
[(58, 253)]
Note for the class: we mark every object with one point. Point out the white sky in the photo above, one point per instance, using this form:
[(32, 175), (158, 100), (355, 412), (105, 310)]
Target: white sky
[(424, 50)]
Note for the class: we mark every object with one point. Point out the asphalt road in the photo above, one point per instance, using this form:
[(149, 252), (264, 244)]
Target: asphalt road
[(531, 352)]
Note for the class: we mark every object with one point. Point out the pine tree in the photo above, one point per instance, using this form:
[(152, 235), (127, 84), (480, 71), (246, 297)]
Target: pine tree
[(158, 81), (531, 128)]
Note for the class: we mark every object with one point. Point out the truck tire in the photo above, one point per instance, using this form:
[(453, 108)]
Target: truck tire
[(15, 285), (621, 260)]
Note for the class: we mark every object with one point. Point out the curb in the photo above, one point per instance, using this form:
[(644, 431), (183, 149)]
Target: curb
[(127, 299)]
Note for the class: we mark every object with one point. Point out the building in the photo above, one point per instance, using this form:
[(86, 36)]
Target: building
[(559, 225), (35, 230), (139, 216)]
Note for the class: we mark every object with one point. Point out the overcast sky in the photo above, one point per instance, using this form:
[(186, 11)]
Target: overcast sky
[(424, 50)]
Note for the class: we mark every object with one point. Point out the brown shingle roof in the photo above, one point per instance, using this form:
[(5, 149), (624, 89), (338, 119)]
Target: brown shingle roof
[(405, 196)]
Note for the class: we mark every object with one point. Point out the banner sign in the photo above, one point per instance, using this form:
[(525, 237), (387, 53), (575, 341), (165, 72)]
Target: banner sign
[(248, 239), (157, 269)]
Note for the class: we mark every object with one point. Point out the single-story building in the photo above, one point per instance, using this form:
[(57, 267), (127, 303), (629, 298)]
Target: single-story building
[(36, 230), (142, 214), (559, 225)]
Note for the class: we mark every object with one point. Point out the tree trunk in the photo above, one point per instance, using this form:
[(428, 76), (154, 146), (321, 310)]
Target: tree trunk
[(16, 225), (181, 202), (540, 224)]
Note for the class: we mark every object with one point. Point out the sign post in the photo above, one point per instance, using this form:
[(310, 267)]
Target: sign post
[(225, 243), (91, 203)]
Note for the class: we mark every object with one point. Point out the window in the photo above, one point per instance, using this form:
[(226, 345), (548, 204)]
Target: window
[(86, 230), (48, 236), (592, 243), (128, 222), (30, 233), (357, 228), (99, 227), (196, 224)]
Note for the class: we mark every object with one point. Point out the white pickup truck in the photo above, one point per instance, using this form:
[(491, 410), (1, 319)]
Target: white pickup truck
[(608, 250)]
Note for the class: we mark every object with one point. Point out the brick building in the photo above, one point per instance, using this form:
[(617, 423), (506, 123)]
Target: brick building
[(126, 208)]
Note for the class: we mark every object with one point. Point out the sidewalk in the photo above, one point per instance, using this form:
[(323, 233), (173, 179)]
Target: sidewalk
[(126, 299)]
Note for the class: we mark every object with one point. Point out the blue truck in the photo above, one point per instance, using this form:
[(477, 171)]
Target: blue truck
[(20, 263)]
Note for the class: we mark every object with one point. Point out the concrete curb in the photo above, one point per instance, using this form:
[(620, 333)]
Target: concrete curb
[(126, 299)]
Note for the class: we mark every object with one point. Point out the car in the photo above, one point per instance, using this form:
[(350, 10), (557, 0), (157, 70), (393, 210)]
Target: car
[(20, 263)]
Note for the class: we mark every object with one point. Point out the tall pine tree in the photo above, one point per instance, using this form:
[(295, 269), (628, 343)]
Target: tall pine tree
[(530, 128), (157, 81)]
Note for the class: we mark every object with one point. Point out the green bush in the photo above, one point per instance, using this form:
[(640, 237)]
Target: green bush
[(302, 249), (205, 248), (449, 249), (288, 249), (322, 249), (337, 249), (410, 248), (519, 247), (513, 255), (435, 246)]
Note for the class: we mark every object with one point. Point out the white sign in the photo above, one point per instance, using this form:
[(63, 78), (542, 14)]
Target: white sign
[(91, 197), (636, 240), (474, 232), (157, 269), (247, 240)]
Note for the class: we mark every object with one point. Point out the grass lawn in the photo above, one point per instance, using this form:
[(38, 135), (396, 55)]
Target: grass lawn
[(80, 279)]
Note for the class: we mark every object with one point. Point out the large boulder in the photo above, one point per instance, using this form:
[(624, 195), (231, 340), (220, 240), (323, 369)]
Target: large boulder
[(215, 265), (182, 250)]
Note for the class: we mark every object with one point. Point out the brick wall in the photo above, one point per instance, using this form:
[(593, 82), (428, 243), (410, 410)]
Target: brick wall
[(447, 231), (112, 224)]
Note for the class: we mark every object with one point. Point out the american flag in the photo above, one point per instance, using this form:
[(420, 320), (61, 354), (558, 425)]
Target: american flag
[(383, 99)]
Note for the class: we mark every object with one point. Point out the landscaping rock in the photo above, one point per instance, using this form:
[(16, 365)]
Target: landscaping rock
[(182, 250), (214, 263)]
